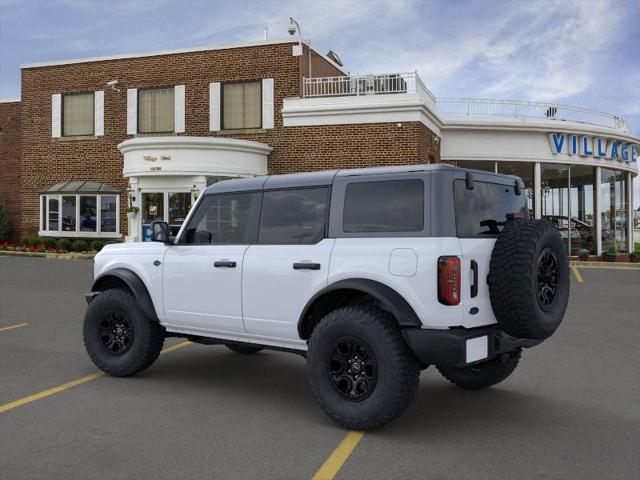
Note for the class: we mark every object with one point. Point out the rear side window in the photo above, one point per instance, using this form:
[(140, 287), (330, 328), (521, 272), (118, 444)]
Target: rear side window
[(297, 216), (483, 211), (224, 219), (384, 206)]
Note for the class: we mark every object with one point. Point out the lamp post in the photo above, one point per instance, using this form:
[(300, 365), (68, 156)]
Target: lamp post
[(294, 27)]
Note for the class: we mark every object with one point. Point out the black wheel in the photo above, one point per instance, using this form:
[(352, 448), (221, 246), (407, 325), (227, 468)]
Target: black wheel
[(485, 374), (118, 337), (360, 369), (529, 279), (243, 349)]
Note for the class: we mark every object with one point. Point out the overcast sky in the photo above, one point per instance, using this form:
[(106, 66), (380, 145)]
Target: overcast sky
[(579, 52)]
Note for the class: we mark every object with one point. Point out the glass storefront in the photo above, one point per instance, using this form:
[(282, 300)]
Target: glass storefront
[(170, 207), (569, 196), (614, 210)]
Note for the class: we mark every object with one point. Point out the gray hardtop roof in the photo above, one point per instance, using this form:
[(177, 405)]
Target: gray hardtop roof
[(326, 177)]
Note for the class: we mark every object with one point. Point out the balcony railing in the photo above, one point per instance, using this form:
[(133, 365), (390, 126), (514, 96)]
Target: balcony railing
[(399, 83), (357, 85), (525, 108)]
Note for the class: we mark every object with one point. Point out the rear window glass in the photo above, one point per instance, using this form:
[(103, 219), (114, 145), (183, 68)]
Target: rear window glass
[(384, 206), (294, 216), (483, 210)]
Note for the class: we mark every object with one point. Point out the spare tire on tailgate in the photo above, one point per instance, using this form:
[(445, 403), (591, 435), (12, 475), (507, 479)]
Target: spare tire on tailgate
[(529, 278)]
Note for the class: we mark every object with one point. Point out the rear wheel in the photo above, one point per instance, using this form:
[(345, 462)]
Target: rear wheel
[(118, 337), (243, 349), (360, 369), (485, 374)]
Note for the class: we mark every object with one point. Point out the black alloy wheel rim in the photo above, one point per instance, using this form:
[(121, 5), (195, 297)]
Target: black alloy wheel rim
[(548, 273), (353, 369), (116, 332)]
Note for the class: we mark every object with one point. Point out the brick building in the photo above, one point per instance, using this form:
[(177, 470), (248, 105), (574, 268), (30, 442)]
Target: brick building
[(182, 119), (89, 138)]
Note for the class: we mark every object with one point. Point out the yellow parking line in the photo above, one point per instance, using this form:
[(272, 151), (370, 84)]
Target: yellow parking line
[(74, 383), (335, 461), (576, 273), (11, 327)]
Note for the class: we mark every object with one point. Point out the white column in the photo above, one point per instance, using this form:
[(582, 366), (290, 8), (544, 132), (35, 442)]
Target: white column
[(537, 188), (598, 213), (630, 211), (133, 224)]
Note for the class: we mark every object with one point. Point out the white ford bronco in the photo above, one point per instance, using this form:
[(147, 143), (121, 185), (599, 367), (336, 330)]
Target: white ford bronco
[(371, 274)]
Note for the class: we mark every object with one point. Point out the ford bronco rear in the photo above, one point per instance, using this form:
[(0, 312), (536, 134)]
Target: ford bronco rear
[(372, 274)]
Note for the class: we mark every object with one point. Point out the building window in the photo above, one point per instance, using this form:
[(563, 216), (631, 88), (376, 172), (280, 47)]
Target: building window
[(555, 197), (241, 105), (78, 114), (80, 215), (582, 201), (614, 210), (156, 110)]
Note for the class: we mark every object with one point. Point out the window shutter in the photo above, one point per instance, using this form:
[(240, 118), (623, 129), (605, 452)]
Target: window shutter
[(132, 111), (56, 115), (179, 111), (98, 111), (267, 103), (214, 106)]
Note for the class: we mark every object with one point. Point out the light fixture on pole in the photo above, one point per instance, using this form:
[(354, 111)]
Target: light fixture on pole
[(294, 27)]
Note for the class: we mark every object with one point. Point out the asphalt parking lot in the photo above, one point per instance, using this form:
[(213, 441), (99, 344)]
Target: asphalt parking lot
[(571, 409)]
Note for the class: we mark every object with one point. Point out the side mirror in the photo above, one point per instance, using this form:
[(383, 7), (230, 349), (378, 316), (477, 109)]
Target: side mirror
[(160, 232)]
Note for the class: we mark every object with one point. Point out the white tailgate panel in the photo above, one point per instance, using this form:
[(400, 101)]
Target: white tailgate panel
[(478, 249)]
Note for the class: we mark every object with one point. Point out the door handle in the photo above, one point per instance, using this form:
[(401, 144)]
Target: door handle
[(224, 263), (474, 271), (306, 266)]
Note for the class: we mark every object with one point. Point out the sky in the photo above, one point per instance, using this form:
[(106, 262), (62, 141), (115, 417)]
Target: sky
[(584, 53)]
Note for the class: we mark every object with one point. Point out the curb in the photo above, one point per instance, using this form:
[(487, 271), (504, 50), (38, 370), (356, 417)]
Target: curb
[(609, 265), (57, 256)]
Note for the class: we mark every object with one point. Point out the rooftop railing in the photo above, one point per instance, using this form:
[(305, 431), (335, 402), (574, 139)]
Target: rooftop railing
[(357, 85), (528, 109), (399, 83)]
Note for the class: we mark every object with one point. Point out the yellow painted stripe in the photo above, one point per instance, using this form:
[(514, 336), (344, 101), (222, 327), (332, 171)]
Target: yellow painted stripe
[(577, 274), (74, 383), (11, 327), (335, 461)]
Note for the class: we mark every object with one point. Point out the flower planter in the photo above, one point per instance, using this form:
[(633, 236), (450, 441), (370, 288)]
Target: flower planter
[(610, 257), (634, 257)]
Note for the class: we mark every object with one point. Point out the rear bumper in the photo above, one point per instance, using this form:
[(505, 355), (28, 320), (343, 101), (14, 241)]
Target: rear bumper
[(459, 347)]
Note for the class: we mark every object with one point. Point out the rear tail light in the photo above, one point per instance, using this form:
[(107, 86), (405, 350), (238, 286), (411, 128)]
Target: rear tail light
[(449, 280)]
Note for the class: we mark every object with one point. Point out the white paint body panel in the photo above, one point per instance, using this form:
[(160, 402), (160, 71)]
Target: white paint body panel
[(478, 249), (198, 295), (369, 258), (274, 294), (139, 258)]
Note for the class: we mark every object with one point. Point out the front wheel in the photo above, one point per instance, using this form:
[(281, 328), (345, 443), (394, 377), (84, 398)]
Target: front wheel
[(360, 369), (118, 337), (485, 374)]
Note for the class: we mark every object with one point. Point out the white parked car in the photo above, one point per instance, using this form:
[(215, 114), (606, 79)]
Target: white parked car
[(372, 274)]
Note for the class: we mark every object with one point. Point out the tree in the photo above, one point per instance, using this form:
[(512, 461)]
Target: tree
[(4, 222)]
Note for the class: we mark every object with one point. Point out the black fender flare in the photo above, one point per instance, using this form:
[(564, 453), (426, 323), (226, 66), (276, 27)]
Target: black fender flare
[(390, 300), (133, 282)]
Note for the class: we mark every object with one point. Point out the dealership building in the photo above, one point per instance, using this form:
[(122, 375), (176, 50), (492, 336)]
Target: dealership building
[(90, 138)]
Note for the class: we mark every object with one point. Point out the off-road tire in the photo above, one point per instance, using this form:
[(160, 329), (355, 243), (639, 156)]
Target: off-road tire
[(243, 349), (397, 369), (148, 335), (515, 280), (485, 374)]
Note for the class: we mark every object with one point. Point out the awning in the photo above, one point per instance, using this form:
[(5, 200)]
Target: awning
[(81, 186)]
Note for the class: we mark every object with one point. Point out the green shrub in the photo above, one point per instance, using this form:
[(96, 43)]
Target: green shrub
[(97, 245), (79, 246), (4, 222), (47, 242), (64, 244), (611, 249), (583, 255), (28, 241)]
